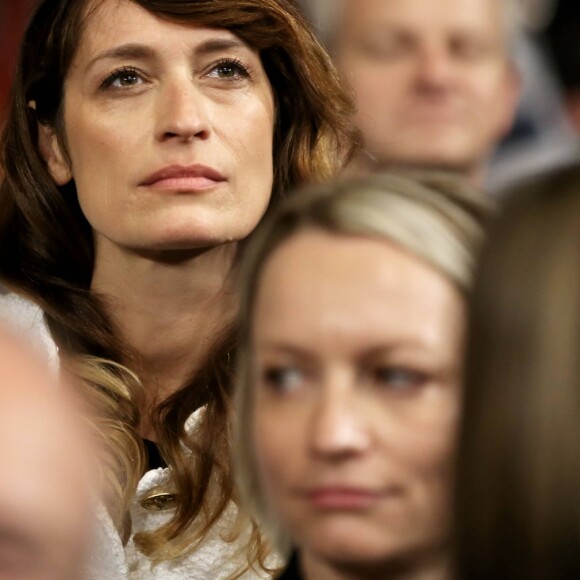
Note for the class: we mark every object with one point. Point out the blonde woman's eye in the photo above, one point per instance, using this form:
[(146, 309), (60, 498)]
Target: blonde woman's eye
[(282, 379), (398, 379)]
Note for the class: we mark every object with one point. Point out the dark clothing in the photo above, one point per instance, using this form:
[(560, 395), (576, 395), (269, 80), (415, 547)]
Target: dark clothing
[(292, 570), (154, 459)]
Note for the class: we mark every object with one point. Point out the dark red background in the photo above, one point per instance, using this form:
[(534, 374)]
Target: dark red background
[(13, 17)]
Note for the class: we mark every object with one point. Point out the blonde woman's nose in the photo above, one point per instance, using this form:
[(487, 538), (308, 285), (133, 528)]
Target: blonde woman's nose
[(338, 426)]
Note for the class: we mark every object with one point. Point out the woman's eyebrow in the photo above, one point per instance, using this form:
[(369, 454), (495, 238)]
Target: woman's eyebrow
[(133, 51), (213, 45), (143, 51)]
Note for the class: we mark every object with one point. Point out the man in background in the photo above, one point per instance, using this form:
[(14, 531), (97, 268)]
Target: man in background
[(433, 81)]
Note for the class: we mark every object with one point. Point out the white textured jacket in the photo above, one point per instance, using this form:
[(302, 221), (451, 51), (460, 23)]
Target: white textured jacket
[(214, 559)]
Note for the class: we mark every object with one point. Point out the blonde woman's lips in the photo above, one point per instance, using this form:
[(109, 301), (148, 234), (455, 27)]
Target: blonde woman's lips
[(343, 498)]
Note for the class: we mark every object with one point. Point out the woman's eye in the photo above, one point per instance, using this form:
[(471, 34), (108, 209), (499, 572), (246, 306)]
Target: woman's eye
[(122, 79), (230, 69), (398, 379), (282, 378)]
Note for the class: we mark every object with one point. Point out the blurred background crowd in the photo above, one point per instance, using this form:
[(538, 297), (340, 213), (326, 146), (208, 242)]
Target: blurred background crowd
[(542, 45)]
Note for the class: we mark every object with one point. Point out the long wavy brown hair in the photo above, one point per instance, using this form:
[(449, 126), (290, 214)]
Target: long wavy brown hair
[(48, 253)]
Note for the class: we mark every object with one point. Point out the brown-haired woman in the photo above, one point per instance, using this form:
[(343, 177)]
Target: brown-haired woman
[(145, 139), (518, 473)]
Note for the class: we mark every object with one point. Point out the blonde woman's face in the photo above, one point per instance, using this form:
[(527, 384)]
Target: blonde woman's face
[(357, 352)]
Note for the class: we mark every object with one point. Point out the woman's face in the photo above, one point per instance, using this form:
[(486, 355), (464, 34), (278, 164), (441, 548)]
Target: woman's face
[(357, 353), (169, 129)]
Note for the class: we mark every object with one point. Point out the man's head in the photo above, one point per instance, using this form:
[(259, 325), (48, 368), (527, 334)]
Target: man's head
[(433, 80)]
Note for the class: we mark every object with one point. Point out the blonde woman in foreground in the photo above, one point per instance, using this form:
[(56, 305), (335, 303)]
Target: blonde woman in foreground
[(349, 373)]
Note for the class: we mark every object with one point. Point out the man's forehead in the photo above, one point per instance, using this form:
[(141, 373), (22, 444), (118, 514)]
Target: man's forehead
[(483, 15)]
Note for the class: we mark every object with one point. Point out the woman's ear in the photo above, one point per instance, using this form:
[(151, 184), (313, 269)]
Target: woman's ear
[(51, 152)]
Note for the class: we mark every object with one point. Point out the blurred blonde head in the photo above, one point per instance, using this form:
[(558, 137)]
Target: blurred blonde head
[(433, 217)]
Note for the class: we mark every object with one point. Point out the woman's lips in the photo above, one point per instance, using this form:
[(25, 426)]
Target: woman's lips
[(184, 178)]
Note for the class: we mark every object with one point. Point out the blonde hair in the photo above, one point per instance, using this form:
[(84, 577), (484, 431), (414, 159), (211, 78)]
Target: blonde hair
[(435, 217)]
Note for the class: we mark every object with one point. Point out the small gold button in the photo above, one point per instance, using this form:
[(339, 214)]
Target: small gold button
[(159, 501)]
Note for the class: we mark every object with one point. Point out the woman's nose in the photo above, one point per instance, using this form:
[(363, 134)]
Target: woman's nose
[(339, 428), (183, 113)]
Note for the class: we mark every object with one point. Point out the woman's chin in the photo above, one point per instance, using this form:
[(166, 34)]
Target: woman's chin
[(354, 550), (360, 547)]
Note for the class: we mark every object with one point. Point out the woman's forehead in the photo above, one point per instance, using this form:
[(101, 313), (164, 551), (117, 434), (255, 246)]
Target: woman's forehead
[(108, 24)]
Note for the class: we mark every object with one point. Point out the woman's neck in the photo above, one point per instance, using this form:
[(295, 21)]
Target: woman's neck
[(168, 308), (432, 568)]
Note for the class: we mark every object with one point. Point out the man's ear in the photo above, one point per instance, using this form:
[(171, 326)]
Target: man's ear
[(513, 85), (51, 152)]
